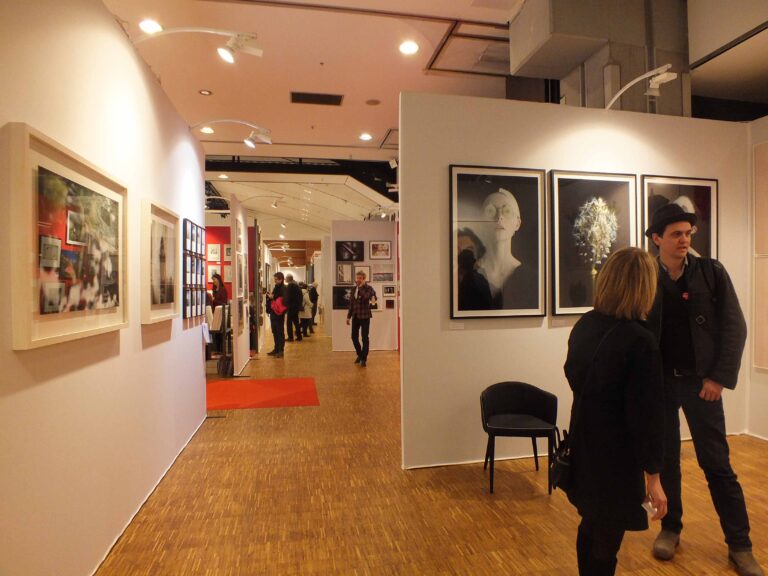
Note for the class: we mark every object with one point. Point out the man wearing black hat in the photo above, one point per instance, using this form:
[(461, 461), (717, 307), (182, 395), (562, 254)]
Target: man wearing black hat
[(701, 332)]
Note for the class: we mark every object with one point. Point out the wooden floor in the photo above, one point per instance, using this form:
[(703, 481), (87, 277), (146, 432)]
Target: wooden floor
[(320, 490)]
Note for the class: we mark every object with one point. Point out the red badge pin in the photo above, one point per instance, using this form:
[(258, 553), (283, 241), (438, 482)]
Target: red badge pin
[(685, 296)]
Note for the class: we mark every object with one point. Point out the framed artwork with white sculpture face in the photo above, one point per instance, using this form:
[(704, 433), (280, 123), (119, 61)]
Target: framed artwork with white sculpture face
[(593, 215)]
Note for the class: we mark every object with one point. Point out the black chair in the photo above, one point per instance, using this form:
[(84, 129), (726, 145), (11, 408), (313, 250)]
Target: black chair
[(520, 410)]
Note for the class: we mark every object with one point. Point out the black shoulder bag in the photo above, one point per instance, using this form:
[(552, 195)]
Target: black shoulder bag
[(561, 461)]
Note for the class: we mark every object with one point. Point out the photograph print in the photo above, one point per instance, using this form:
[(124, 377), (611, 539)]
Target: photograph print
[(381, 250), (344, 274), (497, 242), (162, 261), (695, 195), (341, 296), (593, 215), (350, 251)]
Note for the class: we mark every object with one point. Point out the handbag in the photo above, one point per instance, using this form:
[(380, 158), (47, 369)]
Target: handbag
[(561, 459), (278, 306)]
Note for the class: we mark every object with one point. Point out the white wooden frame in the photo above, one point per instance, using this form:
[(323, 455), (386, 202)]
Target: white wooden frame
[(152, 313)]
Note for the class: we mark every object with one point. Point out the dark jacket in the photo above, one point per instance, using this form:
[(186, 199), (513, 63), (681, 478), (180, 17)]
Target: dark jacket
[(360, 302), (293, 296), (618, 432), (718, 329)]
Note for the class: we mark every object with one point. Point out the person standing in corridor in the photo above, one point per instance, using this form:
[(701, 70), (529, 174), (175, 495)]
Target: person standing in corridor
[(360, 300)]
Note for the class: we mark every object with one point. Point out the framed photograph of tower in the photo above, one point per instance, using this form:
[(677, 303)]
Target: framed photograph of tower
[(160, 264)]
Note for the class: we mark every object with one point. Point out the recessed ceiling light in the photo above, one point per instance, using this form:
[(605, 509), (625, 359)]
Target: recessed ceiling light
[(373, 102), (409, 47), (206, 130), (223, 176), (149, 26), (365, 137), (205, 92)]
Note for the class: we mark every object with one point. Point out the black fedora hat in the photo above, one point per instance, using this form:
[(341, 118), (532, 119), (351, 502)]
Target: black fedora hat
[(668, 214)]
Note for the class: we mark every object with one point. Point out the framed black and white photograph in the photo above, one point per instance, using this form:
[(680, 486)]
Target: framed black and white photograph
[(240, 276), (341, 296), (344, 274), (350, 251), (380, 250), (160, 263), (388, 290), (694, 195), (214, 252), (227, 252), (497, 242), (593, 215)]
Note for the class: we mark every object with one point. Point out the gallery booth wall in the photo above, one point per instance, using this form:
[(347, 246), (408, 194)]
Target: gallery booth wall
[(446, 363), (88, 427)]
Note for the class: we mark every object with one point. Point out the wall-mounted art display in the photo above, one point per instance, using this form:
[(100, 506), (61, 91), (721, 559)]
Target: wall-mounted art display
[(497, 242), (389, 304), (694, 195), (68, 240), (227, 252), (227, 273), (159, 263), (214, 252), (215, 269), (380, 250), (341, 296), (382, 272), (388, 290), (365, 270), (350, 251), (344, 274), (195, 280), (240, 274), (593, 215)]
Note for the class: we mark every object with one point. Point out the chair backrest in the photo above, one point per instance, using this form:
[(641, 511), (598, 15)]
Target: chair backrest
[(517, 398), (218, 315), (209, 316)]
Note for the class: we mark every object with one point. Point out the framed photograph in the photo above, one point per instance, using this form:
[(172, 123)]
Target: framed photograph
[(214, 269), (593, 215), (227, 252), (160, 263), (366, 270), (380, 250), (497, 242), (388, 290), (187, 235), (341, 296), (227, 273), (214, 252), (344, 274), (240, 276), (239, 234), (382, 273), (696, 195), (56, 197), (350, 251), (389, 304)]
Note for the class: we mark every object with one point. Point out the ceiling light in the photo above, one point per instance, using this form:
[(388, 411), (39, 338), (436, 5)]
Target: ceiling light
[(365, 137), (226, 53), (282, 225), (223, 176), (658, 76), (409, 47), (149, 26), (207, 130), (383, 215), (205, 92), (274, 204), (258, 136), (281, 236)]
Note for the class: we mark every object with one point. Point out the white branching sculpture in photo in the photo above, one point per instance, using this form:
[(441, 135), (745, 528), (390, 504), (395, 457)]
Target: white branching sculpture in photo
[(595, 231)]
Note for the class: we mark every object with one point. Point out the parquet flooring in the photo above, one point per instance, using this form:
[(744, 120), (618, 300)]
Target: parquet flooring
[(320, 490)]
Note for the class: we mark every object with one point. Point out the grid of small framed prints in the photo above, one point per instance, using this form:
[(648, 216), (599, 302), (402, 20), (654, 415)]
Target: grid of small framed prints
[(194, 269)]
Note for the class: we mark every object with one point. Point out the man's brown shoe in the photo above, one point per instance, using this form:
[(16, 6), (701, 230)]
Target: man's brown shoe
[(665, 544), (745, 563)]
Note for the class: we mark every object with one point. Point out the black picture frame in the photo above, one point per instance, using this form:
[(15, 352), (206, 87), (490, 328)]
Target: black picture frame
[(581, 204), (350, 250), (497, 272), (341, 296), (697, 195)]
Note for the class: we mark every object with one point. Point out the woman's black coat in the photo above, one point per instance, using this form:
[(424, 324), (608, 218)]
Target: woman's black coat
[(619, 431)]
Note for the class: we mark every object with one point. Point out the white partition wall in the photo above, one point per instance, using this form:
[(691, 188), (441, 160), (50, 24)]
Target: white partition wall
[(447, 363), (383, 333), (88, 427)]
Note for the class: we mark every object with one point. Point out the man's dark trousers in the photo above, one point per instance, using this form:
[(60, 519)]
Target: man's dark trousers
[(706, 422), (293, 322), (277, 322), (361, 325)]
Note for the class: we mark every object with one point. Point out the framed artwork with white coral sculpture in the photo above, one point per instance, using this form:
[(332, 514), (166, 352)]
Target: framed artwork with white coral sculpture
[(593, 215)]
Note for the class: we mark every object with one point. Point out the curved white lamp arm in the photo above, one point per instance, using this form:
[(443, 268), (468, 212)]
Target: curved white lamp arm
[(232, 121), (654, 72), (215, 31)]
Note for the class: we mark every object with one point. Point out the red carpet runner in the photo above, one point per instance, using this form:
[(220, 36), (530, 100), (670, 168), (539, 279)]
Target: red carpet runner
[(278, 393)]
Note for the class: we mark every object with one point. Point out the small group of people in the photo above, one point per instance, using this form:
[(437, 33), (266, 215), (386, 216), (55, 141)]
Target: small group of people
[(295, 302), (665, 334)]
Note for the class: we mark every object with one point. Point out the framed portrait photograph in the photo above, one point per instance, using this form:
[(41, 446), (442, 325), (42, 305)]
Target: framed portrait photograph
[(214, 252), (694, 195), (380, 250), (68, 238), (341, 296), (344, 274), (497, 242), (350, 251), (593, 215), (160, 263)]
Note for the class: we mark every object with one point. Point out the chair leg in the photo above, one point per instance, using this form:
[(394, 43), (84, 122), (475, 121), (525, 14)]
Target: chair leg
[(492, 445), (550, 453), (487, 452), (535, 452)]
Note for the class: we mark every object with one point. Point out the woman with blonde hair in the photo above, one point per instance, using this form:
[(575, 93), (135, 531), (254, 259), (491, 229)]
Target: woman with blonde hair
[(614, 370)]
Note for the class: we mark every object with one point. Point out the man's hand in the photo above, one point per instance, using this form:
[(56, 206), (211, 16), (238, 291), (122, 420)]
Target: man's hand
[(710, 390)]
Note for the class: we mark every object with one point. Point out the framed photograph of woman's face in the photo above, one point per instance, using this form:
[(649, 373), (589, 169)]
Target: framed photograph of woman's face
[(695, 195), (497, 242), (593, 215)]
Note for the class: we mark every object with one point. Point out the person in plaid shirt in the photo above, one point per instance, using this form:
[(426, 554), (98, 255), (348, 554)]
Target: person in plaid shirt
[(360, 300)]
